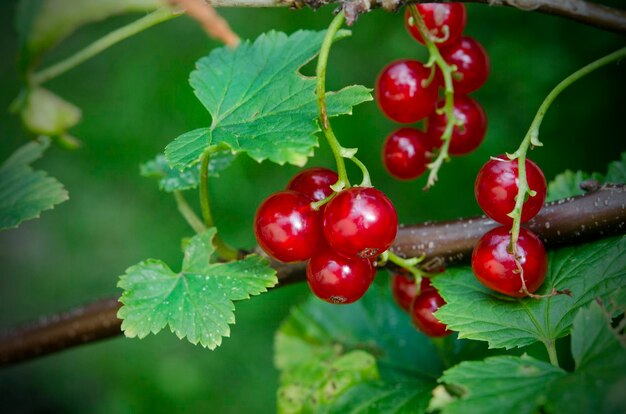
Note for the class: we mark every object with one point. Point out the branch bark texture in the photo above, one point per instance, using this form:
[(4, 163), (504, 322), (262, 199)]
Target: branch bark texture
[(575, 220)]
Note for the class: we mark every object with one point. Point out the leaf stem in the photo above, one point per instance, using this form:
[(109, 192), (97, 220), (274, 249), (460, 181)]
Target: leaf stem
[(188, 214), (158, 16), (223, 250), (532, 138), (320, 72), (554, 359), (448, 108)]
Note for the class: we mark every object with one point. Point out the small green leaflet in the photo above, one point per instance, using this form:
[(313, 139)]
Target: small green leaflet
[(44, 113), (317, 333), (197, 302), (502, 384), (476, 312), (567, 184), (617, 171), (259, 103), (24, 192), (525, 385), (41, 24), (172, 179)]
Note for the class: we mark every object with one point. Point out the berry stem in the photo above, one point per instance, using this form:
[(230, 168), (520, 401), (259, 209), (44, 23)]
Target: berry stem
[(223, 250), (409, 265), (448, 109), (158, 16), (188, 214)]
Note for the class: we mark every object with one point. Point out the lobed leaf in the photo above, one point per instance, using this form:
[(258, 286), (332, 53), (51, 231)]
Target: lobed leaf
[(196, 303), (476, 312), (25, 192), (259, 103)]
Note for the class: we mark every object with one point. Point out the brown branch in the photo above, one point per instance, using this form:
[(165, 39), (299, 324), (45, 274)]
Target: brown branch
[(576, 220)]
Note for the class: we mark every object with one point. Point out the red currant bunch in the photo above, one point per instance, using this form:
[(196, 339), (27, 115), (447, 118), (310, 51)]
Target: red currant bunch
[(420, 306), (516, 270), (407, 91), (339, 240)]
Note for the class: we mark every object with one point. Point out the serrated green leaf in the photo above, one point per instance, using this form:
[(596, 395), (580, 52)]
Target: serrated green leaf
[(597, 384), (502, 384), (258, 101), (616, 173), (378, 397), (24, 192), (41, 24), (196, 303), (478, 313), (567, 184), (44, 113), (172, 179)]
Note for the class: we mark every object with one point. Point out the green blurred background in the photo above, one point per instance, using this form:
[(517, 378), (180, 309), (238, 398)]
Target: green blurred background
[(135, 99)]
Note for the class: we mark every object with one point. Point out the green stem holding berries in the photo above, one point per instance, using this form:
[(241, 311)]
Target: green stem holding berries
[(408, 264), (158, 16), (448, 109)]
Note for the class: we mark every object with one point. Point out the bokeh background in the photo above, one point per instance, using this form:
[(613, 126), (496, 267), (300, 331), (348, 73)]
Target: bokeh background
[(135, 99)]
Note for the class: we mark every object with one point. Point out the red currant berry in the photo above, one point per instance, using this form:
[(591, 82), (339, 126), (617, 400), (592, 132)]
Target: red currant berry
[(494, 266), (360, 221), (465, 138), (403, 288), (314, 183), (422, 310), (287, 228), (338, 279), (497, 185), (471, 62), (401, 94), (404, 153), (444, 21)]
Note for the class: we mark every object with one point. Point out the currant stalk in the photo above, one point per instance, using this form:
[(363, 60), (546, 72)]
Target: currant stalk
[(448, 108)]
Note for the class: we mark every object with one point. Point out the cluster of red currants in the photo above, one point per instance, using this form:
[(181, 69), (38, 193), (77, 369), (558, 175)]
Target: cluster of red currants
[(420, 305), (407, 92), (341, 240), (493, 262)]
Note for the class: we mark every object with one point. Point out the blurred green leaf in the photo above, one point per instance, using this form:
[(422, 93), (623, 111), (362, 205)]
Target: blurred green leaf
[(41, 24), (597, 384), (258, 101), (24, 192), (617, 171), (476, 312), (44, 113), (197, 302), (172, 179), (502, 384), (567, 184)]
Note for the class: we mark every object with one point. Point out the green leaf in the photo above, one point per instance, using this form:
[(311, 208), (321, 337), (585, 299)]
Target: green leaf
[(502, 384), (196, 303), (567, 184), (259, 103), (597, 384), (617, 171), (41, 24), (45, 113), (476, 312), (24, 192), (317, 333), (172, 179)]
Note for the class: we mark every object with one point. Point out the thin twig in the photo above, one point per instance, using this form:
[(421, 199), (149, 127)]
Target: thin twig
[(214, 24)]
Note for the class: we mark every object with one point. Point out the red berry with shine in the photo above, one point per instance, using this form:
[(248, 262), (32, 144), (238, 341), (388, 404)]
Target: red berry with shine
[(338, 279), (422, 310), (495, 267), (401, 94), (497, 184), (403, 288), (472, 64), (443, 21), (360, 221), (404, 153), (465, 138), (287, 228), (314, 183)]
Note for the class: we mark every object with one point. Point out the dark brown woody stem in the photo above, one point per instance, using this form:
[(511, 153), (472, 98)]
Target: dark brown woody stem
[(575, 220)]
